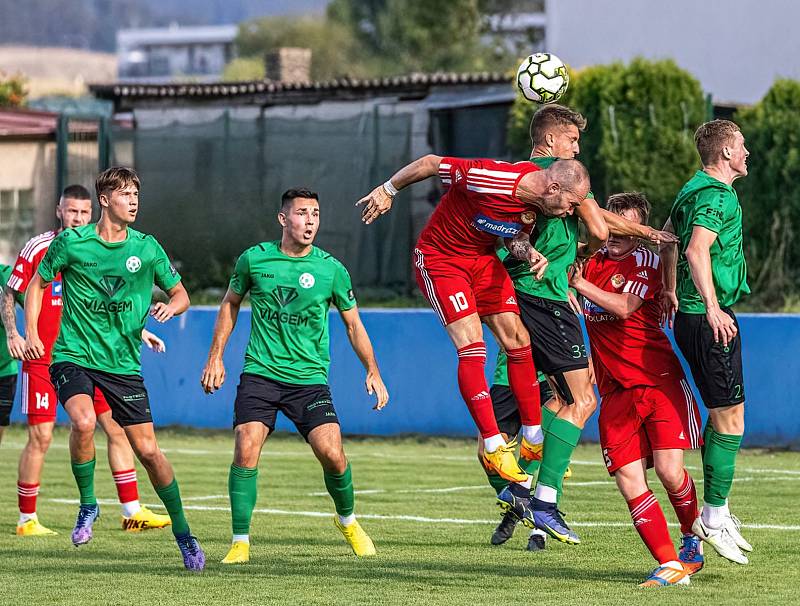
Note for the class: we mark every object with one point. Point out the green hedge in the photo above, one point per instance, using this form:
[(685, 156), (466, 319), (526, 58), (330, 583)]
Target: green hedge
[(641, 121)]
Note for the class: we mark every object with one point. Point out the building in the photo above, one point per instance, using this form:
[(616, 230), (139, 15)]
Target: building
[(169, 54), (32, 166)]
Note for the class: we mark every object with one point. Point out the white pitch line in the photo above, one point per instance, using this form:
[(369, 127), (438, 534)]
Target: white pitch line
[(427, 520)]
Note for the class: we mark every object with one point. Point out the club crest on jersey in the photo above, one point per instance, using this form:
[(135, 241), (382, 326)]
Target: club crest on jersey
[(306, 280), (502, 229), (133, 264), (617, 280)]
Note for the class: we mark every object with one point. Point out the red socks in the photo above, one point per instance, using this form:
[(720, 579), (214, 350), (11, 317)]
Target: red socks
[(474, 389), (524, 385), (127, 488), (651, 525), (26, 497), (684, 502)]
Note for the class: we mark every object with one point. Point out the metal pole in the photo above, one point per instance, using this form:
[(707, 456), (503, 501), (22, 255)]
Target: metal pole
[(62, 152)]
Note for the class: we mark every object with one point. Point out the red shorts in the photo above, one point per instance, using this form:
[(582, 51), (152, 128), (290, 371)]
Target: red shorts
[(634, 422), (457, 287), (39, 399)]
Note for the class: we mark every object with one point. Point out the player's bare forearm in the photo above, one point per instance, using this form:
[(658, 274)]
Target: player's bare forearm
[(596, 228), (178, 299), (419, 170), (669, 260), (8, 312), (519, 246), (359, 339), (33, 305), (622, 305), (225, 323)]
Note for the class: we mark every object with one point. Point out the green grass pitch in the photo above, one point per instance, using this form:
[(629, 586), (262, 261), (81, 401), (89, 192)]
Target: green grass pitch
[(426, 505)]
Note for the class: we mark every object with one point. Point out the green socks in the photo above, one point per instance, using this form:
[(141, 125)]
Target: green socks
[(340, 487), (719, 465), (170, 495), (560, 439), (84, 478), (243, 490), (547, 418)]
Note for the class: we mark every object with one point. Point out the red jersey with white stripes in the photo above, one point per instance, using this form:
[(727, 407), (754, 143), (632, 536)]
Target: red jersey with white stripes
[(24, 269), (632, 352), (480, 204)]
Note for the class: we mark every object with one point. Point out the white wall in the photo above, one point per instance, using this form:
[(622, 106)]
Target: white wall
[(736, 48)]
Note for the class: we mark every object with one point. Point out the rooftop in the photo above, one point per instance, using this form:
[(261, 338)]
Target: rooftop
[(132, 38), (269, 92), (29, 124)]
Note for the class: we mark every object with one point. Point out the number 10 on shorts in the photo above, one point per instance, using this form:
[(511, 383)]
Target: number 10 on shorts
[(459, 301)]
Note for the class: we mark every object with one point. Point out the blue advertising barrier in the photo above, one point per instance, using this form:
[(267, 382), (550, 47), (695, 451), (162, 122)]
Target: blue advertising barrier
[(418, 364)]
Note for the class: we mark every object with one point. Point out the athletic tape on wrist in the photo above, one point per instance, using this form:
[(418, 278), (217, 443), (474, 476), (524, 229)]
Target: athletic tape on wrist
[(390, 189)]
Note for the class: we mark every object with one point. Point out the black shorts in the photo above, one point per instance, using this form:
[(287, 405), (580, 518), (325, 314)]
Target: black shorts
[(260, 399), (556, 335), (8, 388), (716, 369), (125, 394), (506, 410)]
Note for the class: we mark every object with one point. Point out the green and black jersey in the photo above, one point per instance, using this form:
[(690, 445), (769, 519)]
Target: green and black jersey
[(708, 202), (8, 365), (290, 299), (107, 290)]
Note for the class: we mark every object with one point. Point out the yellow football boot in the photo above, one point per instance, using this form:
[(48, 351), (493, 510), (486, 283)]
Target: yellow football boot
[(530, 452), (238, 554), (144, 519), (32, 528), (568, 473), (504, 462), (358, 539)]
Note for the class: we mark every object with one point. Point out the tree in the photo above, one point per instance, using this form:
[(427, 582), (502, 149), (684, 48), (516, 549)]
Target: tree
[(770, 194), (12, 90), (244, 68)]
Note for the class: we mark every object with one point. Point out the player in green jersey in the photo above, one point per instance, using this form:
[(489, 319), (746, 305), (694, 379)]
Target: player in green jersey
[(8, 368), (108, 271), (559, 350), (292, 284), (711, 277)]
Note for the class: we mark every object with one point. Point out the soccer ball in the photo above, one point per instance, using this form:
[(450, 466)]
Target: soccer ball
[(542, 78)]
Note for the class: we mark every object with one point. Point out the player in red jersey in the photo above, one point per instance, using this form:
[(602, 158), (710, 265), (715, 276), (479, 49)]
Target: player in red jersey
[(648, 415), (464, 281), (39, 401)]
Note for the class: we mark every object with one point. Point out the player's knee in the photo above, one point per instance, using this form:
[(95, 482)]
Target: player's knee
[(333, 460), (671, 476), (40, 440), (586, 402), (83, 425)]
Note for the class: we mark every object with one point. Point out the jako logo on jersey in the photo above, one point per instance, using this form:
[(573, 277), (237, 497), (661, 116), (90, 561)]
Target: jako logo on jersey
[(495, 227), (306, 280), (617, 280), (133, 264)]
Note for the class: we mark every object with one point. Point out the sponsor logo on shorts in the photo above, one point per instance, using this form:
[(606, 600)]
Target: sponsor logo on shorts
[(502, 229), (617, 280), (511, 301), (318, 403), (681, 436), (306, 280), (133, 264), (135, 397)]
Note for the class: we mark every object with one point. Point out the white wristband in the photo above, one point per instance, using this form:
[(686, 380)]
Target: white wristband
[(390, 189)]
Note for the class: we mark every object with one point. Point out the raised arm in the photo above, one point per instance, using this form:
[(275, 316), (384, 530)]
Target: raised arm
[(379, 200), (359, 339), (34, 348), (8, 312), (619, 226), (591, 216), (698, 256), (214, 372)]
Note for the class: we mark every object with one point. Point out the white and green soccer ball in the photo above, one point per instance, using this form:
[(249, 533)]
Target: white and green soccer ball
[(542, 78)]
